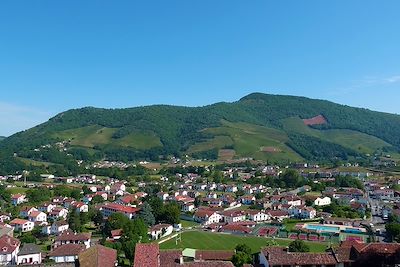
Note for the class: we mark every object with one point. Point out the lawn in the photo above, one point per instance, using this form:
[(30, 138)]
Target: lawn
[(17, 190), (213, 241), (186, 224)]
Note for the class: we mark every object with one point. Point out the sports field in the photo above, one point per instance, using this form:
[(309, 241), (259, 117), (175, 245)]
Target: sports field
[(214, 241)]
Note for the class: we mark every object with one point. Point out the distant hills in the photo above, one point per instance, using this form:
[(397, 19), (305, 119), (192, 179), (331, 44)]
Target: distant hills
[(267, 127), (2, 137)]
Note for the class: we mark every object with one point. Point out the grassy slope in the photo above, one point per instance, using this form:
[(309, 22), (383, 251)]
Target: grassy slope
[(209, 241), (248, 140), (96, 135), (357, 141), (34, 162)]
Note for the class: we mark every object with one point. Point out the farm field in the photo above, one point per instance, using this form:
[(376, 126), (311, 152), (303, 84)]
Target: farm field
[(213, 241)]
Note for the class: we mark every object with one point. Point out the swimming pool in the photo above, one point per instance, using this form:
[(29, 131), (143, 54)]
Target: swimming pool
[(352, 231), (322, 228)]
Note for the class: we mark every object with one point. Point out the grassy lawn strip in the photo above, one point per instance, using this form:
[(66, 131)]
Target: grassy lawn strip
[(213, 241), (189, 224)]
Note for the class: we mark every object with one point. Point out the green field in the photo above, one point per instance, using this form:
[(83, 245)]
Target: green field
[(186, 224), (248, 140), (93, 135), (34, 162), (357, 141), (213, 241)]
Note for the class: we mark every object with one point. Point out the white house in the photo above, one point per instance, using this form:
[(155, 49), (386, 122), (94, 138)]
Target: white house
[(302, 212), (110, 208), (22, 225), (207, 216), (69, 237), (66, 253), (57, 213), (46, 207), (29, 254), (37, 216), (24, 213), (160, 230), (258, 216), (9, 248), (80, 207), (18, 199), (234, 216), (323, 201), (56, 228)]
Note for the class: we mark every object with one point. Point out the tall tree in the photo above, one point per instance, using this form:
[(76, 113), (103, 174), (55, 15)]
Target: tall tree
[(146, 213)]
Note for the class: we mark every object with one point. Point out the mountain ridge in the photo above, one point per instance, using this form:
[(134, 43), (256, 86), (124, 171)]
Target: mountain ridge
[(244, 128)]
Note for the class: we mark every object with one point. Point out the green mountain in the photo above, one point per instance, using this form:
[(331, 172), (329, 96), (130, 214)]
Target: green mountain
[(2, 137), (268, 127)]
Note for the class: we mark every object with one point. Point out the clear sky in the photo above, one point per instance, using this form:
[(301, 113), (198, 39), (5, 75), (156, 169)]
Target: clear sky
[(57, 55)]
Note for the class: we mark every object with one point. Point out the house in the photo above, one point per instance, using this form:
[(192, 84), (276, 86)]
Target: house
[(149, 255), (69, 237), (98, 256), (37, 216), (29, 254), (206, 216), (233, 216), (58, 213), (66, 253), (258, 216), (25, 211), (18, 199), (4, 218), (110, 208), (353, 253), (279, 256), (322, 201), (278, 215), (116, 234), (56, 228), (302, 212), (160, 230), (22, 225), (80, 207), (127, 200), (9, 248), (46, 207), (248, 199)]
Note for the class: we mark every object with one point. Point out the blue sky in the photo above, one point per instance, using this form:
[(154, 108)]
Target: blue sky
[(57, 55)]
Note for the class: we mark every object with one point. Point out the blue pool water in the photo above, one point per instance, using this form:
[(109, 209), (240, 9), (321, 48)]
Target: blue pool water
[(352, 231), (323, 228)]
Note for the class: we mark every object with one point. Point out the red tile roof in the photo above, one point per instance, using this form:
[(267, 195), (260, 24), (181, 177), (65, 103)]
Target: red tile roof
[(170, 258), (120, 208), (147, 255), (71, 236), (18, 221), (279, 256), (8, 244), (98, 256), (67, 250), (206, 255)]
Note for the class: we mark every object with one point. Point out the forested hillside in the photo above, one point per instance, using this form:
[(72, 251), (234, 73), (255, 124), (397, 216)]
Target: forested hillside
[(268, 127)]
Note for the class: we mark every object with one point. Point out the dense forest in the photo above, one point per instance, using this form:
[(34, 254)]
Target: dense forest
[(178, 128)]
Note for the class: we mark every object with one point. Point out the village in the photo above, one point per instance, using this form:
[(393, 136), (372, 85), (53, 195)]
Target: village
[(63, 219)]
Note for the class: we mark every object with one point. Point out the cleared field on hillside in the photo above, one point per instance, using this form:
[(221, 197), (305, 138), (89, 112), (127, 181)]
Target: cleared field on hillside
[(93, 135), (248, 140), (357, 141)]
